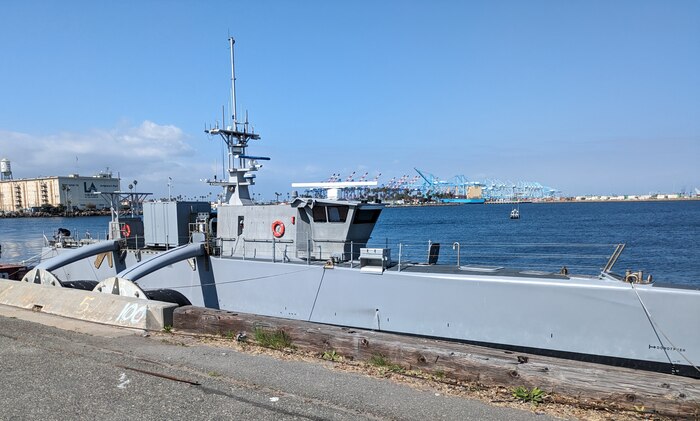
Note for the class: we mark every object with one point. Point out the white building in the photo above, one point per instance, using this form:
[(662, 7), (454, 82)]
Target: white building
[(71, 191)]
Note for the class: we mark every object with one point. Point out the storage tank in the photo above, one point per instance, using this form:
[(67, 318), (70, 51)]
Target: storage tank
[(5, 169)]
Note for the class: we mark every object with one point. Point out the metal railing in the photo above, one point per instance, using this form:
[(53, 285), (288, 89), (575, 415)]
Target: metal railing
[(73, 240), (545, 257), (551, 257)]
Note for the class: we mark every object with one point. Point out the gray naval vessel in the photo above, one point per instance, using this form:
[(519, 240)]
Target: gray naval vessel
[(308, 260)]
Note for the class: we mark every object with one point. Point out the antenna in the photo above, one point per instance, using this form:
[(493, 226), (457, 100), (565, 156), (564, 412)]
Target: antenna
[(231, 41), (240, 166), (223, 160)]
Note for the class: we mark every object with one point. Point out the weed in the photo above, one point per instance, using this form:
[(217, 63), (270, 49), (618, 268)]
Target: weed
[(228, 335), (277, 339), (214, 374), (167, 329), (439, 374), (381, 361), (332, 356), (534, 396), (395, 368)]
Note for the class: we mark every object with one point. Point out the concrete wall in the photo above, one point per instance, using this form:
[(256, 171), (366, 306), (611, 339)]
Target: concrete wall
[(88, 305)]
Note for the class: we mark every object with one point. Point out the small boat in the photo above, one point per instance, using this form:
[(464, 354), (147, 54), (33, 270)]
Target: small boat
[(515, 214)]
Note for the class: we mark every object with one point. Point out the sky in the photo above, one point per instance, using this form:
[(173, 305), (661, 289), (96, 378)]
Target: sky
[(587, 97)]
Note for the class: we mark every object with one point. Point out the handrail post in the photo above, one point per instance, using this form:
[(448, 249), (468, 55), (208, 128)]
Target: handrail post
[(352, 252), (273, 249), (400, 251), (456, 245)]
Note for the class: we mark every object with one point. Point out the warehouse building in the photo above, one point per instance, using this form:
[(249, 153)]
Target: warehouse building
[(72, 191)]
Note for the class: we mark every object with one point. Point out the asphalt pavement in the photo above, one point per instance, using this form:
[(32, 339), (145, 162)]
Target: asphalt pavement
[(58, 369)]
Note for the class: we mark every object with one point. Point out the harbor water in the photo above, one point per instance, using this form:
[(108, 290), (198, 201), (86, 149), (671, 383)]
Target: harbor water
[(662, 238)]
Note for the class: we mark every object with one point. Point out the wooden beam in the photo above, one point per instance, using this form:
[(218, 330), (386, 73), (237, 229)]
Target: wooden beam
[(591, 385)]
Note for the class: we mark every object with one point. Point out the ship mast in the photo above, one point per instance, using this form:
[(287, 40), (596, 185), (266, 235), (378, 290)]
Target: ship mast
[(240, 165), (231, 41)]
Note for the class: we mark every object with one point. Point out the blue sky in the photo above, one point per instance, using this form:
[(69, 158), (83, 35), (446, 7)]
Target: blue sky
[(589, 97)]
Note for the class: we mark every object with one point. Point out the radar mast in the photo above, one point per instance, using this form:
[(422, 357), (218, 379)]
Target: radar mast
[(241, 167)]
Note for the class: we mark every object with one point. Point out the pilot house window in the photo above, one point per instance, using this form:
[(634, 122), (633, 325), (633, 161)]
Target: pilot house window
[(330, 213), (337, 213), (366, 216), (319, 213)]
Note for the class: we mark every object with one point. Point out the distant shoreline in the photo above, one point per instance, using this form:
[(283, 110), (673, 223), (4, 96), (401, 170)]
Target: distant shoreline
[(74, 214), (540, 202), (388, 204), (683, 199)]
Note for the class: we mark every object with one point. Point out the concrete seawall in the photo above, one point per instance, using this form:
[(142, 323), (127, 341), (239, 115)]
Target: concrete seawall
[(88, 305)]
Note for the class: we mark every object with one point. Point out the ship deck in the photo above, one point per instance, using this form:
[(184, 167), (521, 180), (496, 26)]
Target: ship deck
[(479, 270), (442, 269)]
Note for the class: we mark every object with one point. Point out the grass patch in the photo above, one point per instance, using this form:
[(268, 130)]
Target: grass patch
[(332, 356), (379, 360), (213, 374), (534, 395), (275, 339), (167, 329), (383, 362), (395, 368)]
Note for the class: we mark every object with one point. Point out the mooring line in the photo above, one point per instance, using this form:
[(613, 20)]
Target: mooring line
[(653, 327), (317, 291)]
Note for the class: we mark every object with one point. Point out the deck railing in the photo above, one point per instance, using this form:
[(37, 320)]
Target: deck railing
[(545, 257), (549, 257)]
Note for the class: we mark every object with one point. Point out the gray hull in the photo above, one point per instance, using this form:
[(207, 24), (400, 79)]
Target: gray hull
[(588, 318)]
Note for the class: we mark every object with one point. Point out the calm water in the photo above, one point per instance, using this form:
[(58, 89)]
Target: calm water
[(23, 238), (662, 238)]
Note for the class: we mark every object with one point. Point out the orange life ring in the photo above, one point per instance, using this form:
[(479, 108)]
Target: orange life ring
[(126, 230), (278, 229)]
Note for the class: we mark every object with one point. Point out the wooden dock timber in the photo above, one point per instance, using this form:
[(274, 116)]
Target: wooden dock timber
[(591, 385)]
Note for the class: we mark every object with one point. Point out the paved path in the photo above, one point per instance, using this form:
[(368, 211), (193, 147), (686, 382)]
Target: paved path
[(98, 372)]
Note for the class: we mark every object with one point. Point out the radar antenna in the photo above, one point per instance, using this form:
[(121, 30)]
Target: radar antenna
[(240, 165)]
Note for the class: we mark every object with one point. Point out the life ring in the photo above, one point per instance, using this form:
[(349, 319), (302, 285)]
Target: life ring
[(126, 230), (278, 229)]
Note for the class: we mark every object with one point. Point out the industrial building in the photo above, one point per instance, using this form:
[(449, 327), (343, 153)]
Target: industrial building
[(72, 191)]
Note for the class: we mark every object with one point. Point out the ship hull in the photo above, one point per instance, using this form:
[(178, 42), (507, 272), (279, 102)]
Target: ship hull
[(582, 318)]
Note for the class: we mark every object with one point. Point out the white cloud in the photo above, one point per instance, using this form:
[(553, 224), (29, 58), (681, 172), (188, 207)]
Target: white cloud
[(148, 153)]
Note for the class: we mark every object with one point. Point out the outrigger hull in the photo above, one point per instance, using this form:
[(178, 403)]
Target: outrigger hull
[(585, 318)]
